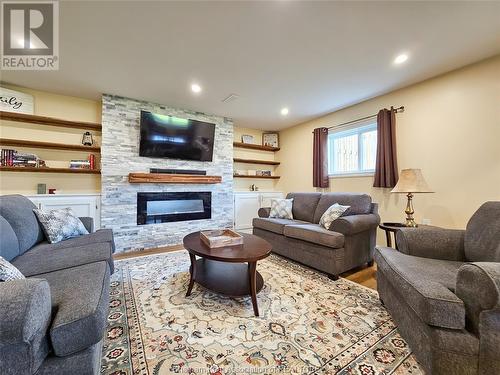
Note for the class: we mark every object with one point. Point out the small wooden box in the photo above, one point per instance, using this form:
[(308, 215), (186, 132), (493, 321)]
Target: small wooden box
[(220, 238)]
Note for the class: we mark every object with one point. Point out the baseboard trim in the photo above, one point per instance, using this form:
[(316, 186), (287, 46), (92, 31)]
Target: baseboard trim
[(139, 253)]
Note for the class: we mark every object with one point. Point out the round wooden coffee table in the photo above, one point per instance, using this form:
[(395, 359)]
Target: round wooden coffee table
[(231, 270)]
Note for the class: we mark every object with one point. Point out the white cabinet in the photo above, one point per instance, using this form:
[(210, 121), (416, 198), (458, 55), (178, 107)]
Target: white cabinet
[(246, 206), (245, 209), (82, 205)]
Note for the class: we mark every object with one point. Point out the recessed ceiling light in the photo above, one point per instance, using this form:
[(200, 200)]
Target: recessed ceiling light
[(284, 111), (401, 58), (195, 88)]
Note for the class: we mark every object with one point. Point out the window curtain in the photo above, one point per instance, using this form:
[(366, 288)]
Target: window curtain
[(320, 158), (386, 166)]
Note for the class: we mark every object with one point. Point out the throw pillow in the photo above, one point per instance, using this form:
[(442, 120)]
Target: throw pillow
[(281, 208), (59, 225), (332, 213), (8, 271)]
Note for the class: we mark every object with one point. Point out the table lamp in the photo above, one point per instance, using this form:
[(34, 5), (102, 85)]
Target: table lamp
[(411, 181)]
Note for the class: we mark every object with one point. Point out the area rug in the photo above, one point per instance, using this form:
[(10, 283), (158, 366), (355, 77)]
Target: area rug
[(309, 324)]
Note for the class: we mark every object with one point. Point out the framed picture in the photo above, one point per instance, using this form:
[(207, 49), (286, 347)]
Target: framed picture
[(270, 139), (245, 138)]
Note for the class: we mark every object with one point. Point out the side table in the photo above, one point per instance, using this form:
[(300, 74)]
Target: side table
[(393, 228)]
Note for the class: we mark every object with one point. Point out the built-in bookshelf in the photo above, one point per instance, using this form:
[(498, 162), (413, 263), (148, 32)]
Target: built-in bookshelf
[(255, 147), (55, 122)]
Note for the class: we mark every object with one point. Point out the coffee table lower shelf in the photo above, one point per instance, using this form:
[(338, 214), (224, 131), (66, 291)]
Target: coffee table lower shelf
[(229, 279)]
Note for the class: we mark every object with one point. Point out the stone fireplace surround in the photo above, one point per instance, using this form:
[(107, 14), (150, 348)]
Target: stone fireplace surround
[(120, 156)]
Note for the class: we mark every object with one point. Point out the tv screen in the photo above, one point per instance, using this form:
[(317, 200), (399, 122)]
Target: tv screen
[(177, 138)]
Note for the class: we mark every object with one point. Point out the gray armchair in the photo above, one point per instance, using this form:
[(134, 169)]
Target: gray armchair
[(442, 287)]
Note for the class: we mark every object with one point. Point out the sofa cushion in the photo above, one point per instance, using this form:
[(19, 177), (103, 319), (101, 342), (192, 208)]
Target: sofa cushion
[(9, 244), (80, 304), (102, 235), (281, 209), (304, 205), (316, 234), (61, 224), (8, 271), (426, 285), (18, 211), (359, 204), (331, 214), (482, 236), (42, 258), (274, 225)]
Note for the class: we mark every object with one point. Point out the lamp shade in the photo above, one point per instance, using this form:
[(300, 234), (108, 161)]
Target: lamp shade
[(411, 181)]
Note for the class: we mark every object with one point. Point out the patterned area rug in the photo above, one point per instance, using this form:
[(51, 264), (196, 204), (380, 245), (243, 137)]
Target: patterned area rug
[(309, 324)]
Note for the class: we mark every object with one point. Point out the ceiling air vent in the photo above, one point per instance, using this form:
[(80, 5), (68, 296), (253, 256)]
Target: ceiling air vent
[(230, 98)]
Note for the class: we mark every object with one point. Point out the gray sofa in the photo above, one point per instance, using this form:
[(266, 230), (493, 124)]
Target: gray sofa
[(442, 287), (349, 242), (54, 321)]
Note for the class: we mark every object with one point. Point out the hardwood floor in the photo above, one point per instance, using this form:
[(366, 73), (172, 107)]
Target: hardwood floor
[(139, 253), (365, 276)]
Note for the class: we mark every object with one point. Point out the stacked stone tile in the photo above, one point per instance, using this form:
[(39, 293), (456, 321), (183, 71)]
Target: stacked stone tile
[(120, 156)]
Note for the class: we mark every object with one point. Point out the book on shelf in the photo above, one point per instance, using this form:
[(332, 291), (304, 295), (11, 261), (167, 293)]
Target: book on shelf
[(83, 163), (13, 158), (76, 164)]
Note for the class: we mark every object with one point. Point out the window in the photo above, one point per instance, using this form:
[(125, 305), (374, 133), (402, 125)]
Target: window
[(352, 151)]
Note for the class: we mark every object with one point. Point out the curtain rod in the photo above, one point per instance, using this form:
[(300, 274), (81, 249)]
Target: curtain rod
[(397, 110)]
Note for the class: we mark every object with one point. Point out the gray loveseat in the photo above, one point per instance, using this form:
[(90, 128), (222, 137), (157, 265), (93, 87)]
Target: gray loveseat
[(442, 287), (349, 242), (54, 321)]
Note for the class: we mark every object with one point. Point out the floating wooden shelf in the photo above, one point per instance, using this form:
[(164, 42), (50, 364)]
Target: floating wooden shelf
[(51, 121), (253, 161), (255, 147), (50, 170), (164, 178), (48, 145), (246, 176)]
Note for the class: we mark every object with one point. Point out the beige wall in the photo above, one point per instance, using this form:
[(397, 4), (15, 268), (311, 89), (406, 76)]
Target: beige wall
[(66, 107), (450, 129), (244, 183)]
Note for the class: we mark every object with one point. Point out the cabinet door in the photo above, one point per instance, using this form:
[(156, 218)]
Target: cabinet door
[(265, 198), (81, 206), (245, 209)]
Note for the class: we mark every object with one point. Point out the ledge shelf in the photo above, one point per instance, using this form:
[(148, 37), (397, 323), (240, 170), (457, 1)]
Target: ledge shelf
[(51, 121), (254, 161), (163, 178), (255, 146), (48, 145), (50, 170), (246, 176)]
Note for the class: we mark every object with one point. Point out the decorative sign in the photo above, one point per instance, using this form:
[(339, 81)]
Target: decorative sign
[(15, 101)]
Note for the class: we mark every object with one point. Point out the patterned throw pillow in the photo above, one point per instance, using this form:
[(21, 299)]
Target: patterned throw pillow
[(59, 225), (332, 213), (8, 271), (281, 208)]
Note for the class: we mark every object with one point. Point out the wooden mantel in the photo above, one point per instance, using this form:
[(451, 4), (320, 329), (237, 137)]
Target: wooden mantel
[(163, 178)]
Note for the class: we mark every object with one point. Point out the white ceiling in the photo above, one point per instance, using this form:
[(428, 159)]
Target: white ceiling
[(313, 57)]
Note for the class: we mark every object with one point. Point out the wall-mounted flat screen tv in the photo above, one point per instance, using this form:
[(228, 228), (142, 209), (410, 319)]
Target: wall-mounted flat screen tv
[(176, 138)]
